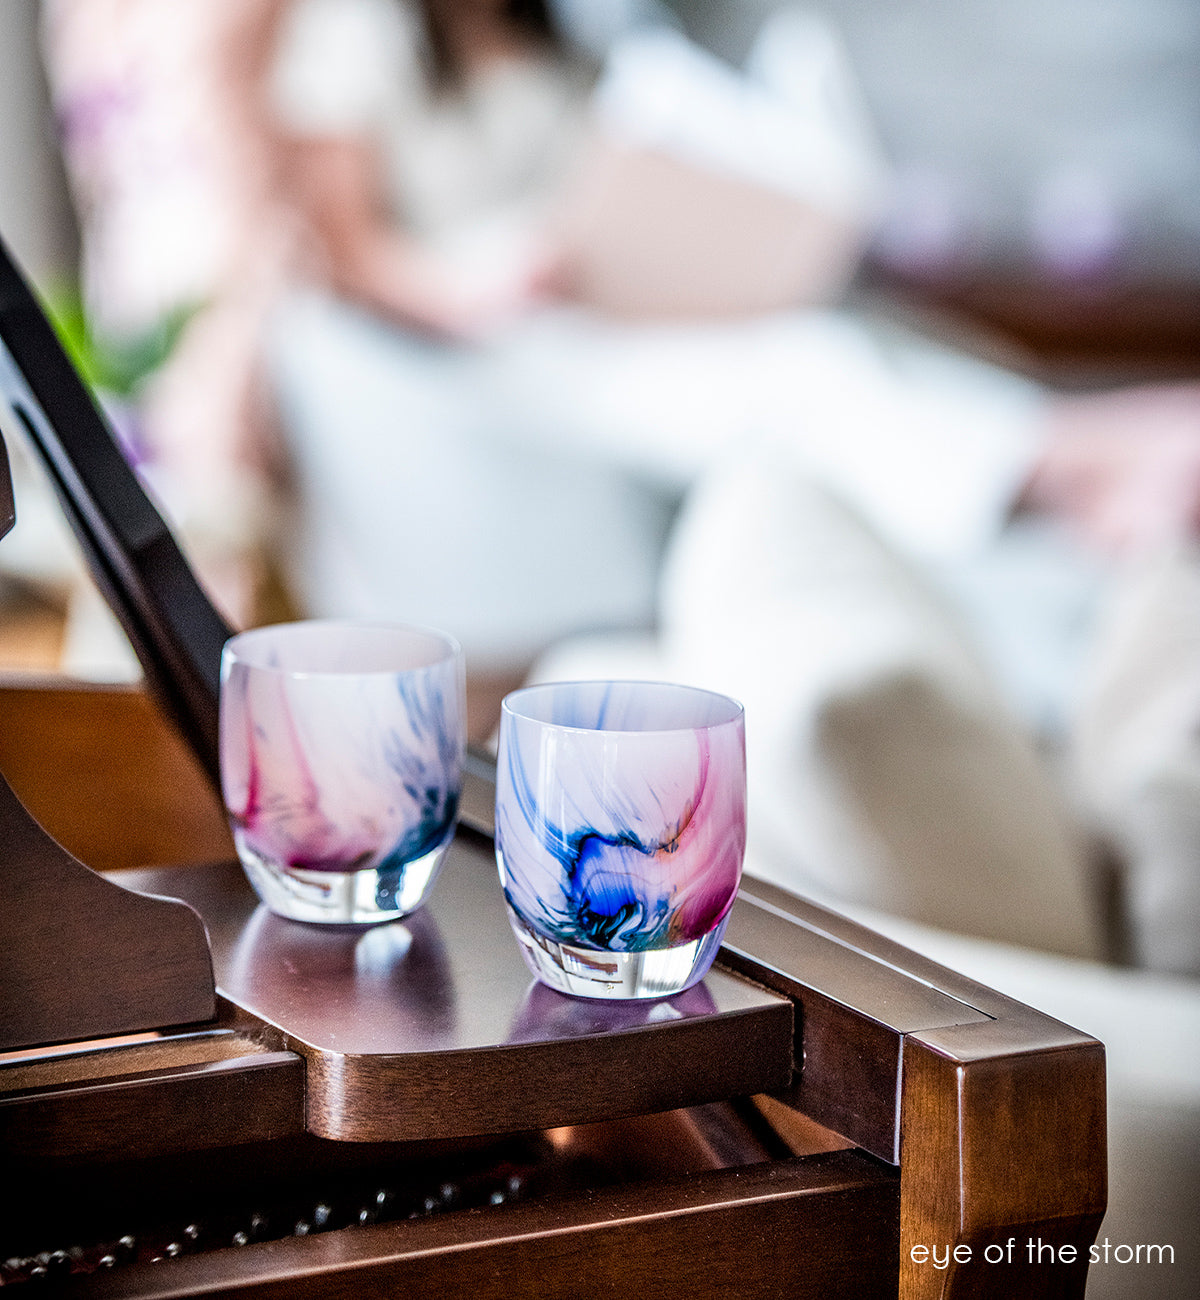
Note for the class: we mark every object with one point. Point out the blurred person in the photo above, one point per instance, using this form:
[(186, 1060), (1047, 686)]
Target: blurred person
[(431, 148), (427, 147), (475, 448)]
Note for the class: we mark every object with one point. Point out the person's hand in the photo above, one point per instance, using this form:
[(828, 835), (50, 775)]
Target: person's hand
[(1122, 469), (434, 296), (464, 290), (469, 299)]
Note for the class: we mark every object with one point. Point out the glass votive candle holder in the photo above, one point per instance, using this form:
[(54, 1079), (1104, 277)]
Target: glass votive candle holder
[(620, 832), (341, 751)]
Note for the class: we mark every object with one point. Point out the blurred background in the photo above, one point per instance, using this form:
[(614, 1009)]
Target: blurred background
[(879, 221), (1035, 140), (1042, 204), (39, 223)]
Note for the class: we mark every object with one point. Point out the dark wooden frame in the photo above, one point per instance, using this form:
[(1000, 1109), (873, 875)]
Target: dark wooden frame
[(992, 1114)]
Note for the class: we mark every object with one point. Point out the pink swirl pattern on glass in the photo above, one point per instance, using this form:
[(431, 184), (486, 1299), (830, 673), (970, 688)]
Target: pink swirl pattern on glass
[(341, 747), (621, 812)]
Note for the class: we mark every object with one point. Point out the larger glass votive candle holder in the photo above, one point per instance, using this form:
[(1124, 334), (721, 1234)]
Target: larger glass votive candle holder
[(341, 757), (620, 832)]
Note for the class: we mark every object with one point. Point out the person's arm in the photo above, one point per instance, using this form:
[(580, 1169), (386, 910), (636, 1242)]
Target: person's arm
[(1122, 469), (370, 259)]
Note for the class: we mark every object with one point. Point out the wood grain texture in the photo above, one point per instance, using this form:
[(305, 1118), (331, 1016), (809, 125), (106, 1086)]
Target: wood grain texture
[(1003, 1140), (106, 775), (80, 957), (998, 1110), (434, 1028), (541, 1085), (251, 1098), (805, 1229), (855, 1002), (990, 1114), (170, 1093)]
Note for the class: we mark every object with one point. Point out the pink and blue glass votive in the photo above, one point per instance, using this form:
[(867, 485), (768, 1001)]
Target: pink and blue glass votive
[(620, 832), (341, 758)]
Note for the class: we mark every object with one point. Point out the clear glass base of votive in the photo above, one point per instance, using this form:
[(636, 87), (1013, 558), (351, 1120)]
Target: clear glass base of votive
[(341, 897), (589, 973)]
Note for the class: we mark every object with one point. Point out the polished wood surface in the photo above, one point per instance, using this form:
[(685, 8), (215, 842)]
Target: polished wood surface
[(107, 778), (994, 1112), (1003, 1142), (171, 1094), (984, 1117), (854, 1010), (81, 957), (433, 1027), (806, 1229)]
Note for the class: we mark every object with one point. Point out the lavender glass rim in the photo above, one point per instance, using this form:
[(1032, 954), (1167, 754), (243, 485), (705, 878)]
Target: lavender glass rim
[(737, 714), (450, 647)]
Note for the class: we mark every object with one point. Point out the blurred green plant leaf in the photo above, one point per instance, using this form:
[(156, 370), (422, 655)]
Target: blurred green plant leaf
[(118, 366)]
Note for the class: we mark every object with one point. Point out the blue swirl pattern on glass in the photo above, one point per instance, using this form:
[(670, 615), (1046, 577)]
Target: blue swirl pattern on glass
[(333, 761), (620, 812)]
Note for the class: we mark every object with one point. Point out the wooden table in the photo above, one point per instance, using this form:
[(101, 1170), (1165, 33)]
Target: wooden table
[(405, 1109)]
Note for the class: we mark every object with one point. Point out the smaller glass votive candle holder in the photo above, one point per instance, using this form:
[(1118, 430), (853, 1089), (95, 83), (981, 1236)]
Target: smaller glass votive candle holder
[(620, 832), (341, 751)]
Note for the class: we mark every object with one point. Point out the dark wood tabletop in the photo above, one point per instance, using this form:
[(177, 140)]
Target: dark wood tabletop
[(434, 1027), (904, 1104)]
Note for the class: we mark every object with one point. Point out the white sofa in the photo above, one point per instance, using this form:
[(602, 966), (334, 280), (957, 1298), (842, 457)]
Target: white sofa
[(887, 781)]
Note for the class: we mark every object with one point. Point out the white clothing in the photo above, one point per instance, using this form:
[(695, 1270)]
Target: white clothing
[(929, 446), (519, 490), (418, 499), (492, 153), (598, 428)]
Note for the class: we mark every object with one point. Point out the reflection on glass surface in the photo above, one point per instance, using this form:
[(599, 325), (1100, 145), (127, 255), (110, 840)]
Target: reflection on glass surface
[(392, 982), (548, 1014)]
